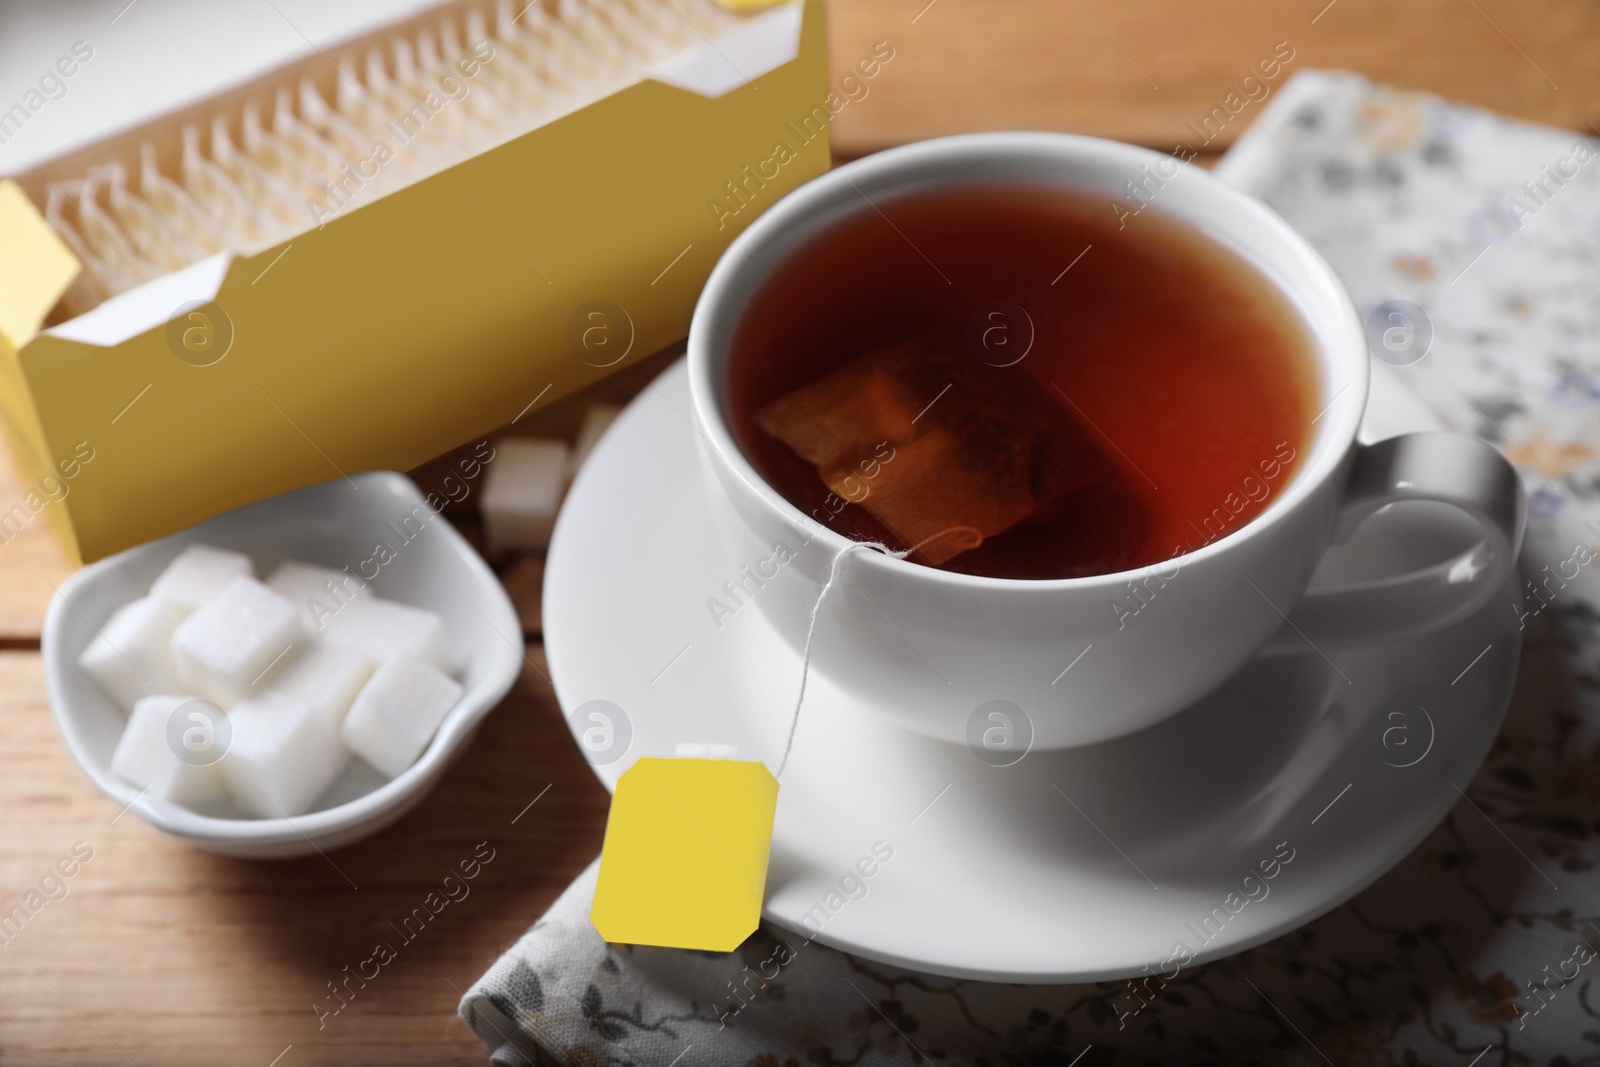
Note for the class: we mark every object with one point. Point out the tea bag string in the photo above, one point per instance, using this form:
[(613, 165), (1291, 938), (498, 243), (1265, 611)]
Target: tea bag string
[(811, 632), (816, 612)]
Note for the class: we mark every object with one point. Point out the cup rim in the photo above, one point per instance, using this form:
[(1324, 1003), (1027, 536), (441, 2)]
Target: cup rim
[(718, 300)]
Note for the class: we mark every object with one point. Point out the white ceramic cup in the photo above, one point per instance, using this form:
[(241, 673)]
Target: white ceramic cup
[(933, 648)]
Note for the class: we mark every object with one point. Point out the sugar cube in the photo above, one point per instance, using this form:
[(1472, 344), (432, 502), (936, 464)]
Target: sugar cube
[(282, 756), (198, 573), (522, 493), (396, 713), (596, 421), (318, 593), (145, 755), (131, 656), (324, 675), (225, 646), (378, 628)]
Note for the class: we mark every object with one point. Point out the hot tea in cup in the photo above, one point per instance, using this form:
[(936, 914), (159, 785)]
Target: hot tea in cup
[(1012, 381)]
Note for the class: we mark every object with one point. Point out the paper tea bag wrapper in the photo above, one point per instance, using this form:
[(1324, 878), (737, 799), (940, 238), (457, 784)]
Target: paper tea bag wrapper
[(939, 447), (684, 863)]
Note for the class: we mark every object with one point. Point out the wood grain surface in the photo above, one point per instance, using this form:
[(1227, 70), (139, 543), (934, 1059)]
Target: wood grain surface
[(159, 954), (1142, 71)]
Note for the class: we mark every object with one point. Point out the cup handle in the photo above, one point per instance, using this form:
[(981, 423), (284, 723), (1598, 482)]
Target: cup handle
[(1445, 467)]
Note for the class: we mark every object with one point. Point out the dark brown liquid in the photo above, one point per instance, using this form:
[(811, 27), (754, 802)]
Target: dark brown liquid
[(1175, 358)]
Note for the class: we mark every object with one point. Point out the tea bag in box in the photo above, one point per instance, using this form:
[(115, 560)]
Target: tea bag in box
[(941, 448)]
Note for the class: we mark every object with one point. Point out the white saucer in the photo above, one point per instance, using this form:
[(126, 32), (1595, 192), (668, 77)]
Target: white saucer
[(1069, 866)]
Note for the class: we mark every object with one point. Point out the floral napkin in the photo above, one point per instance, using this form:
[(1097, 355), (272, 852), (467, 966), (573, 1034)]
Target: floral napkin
[(1471, 244)]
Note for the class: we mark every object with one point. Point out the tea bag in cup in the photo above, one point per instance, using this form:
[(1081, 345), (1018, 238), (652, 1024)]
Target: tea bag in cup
[(942, 449)]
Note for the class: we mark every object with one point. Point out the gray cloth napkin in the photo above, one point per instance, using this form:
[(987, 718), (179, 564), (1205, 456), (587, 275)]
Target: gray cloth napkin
[(1489, 231)]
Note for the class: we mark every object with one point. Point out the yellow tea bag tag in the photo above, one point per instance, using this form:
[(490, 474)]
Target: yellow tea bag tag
[(35, 266), (684, 862)]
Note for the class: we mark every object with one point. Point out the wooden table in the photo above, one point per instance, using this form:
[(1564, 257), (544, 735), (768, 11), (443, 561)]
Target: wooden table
[(162, 954)]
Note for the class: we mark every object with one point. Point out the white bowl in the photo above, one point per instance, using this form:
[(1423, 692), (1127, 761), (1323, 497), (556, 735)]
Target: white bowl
[(335, 524)]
